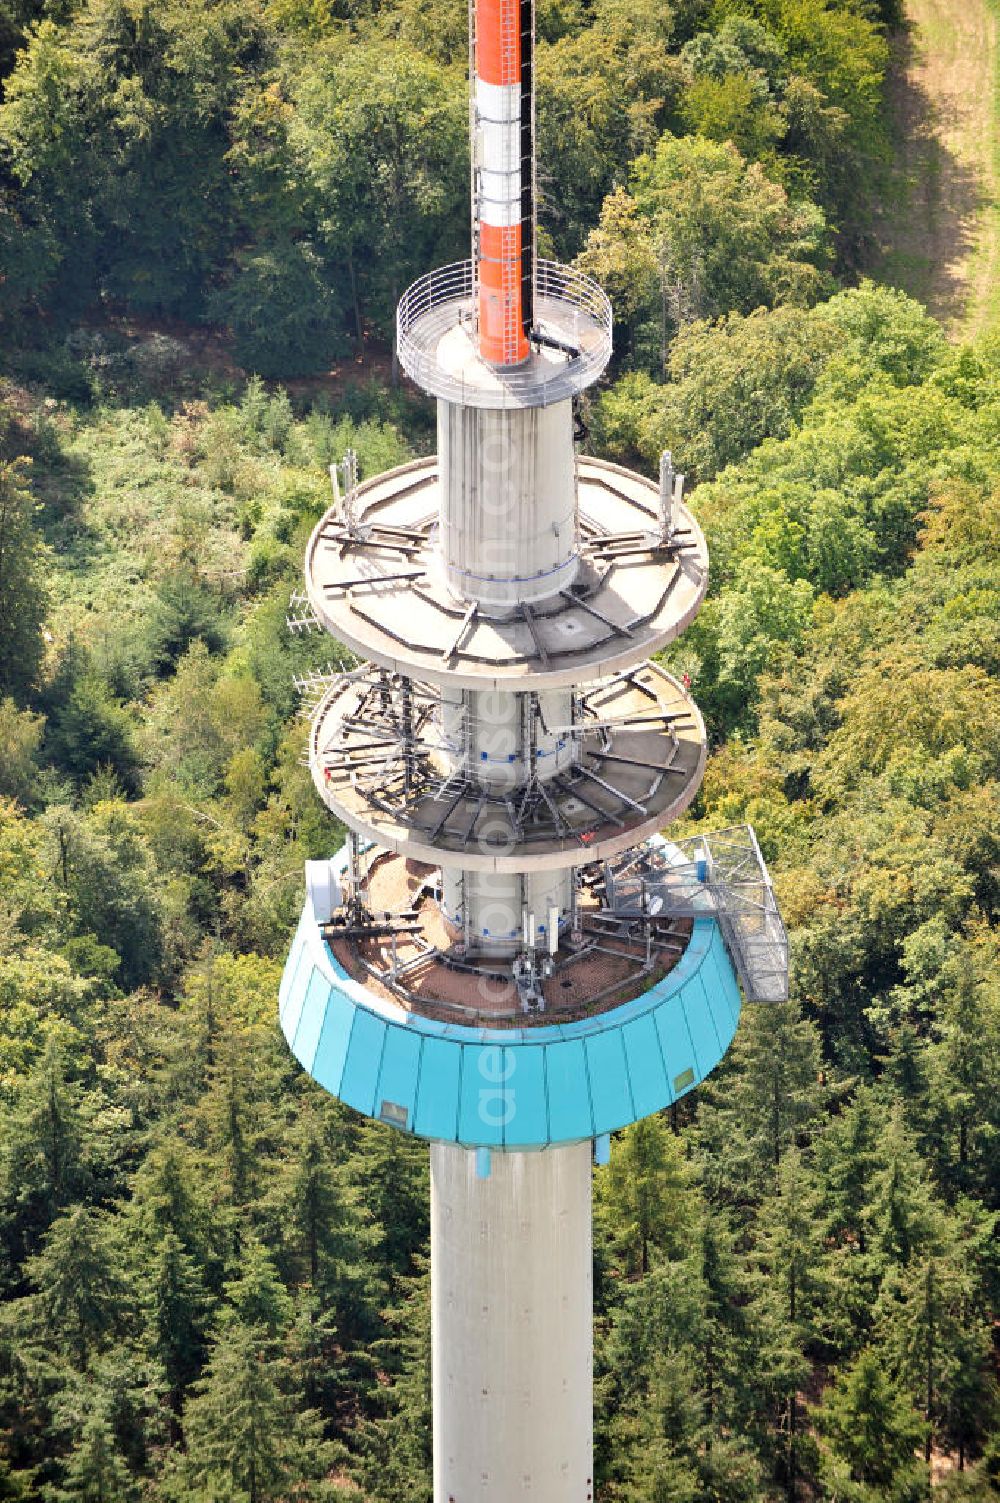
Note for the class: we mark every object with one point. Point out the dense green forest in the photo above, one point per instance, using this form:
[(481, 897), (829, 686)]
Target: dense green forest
[(213, 1277)]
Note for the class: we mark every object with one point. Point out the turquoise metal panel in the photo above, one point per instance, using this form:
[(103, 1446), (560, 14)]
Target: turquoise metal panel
[(720, 981), (718, 1003), (436, 1112), (529, 1124), (363, 1062), (645, 1065), (310, 1022), (691, 961), (290, 1010), (338, 1019), (397, 1083), (675, 1046), (570, 1113), (458, 1033), (609, 1083), (487, 1103), (551, 1033), (431, 1028), (730, 985), (295, 958), (704, 1039)]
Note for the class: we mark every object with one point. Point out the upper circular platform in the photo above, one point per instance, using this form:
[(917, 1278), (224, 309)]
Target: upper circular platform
[(380, 588), (437, 347)]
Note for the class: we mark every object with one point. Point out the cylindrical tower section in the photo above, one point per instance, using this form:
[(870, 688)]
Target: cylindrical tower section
[(502, 738), (511, 1314), (504, 209), (508, 501), (486, 910)]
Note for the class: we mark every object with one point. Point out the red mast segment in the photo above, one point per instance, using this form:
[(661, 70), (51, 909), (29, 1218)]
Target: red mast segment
[(504, 200)]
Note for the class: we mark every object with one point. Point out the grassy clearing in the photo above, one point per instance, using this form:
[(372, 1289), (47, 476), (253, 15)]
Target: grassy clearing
[(988, 307), (132, 497), (940, 230)]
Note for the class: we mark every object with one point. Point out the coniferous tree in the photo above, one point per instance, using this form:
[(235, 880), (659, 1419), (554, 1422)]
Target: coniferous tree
[(231, 1109), (329, 1241), (256, 1294), (643, 1197), (23, 1416), (81, 1302), (395, 1461), (89, 729), (905, 1216), (249, 1438), (935, 1331), (848, 1159), (176, 1310), (964, 1073), (329, 1380), (671, 1407), (767, 1095), (391, 1174), (872, 1432), (23, 599), (44, 1157), (94, 1472), (168, 1200), (789, 1288)]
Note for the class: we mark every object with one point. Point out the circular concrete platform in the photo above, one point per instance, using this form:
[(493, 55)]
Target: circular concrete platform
[(638, 762), (380, 588)]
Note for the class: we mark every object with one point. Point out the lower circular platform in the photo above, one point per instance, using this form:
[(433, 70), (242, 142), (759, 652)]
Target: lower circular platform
[(513, 1088), (419, 960)]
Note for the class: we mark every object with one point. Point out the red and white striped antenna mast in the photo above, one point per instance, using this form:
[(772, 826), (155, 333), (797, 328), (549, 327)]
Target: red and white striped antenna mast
[(501, 36)]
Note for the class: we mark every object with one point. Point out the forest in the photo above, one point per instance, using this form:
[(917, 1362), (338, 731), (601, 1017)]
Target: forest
[(213, 1277)]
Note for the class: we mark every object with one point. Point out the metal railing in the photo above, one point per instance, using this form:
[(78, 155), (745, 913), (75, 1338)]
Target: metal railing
[(723, 876), (571, 310)]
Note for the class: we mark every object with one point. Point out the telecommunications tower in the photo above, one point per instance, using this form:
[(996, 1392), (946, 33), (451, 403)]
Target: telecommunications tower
[(508, 958)]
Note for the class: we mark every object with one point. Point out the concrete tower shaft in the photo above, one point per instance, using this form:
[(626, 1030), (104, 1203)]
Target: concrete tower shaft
[(486, 910), (501, 738), (509, 524), (509, 535), (512, 1296)]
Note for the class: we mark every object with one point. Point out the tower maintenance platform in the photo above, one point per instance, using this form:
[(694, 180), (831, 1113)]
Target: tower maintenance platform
[(508, 957)]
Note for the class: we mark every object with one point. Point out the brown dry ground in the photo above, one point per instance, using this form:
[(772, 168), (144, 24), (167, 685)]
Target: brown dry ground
[(940, 223)]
